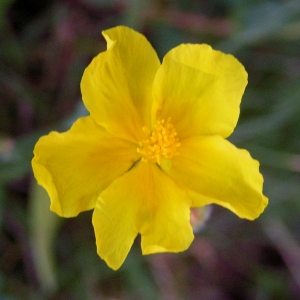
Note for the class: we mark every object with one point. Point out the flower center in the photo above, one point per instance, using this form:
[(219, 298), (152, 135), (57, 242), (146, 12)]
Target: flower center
[(160, 144)]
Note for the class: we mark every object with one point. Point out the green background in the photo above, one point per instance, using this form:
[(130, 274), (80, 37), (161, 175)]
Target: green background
[(44, 48)]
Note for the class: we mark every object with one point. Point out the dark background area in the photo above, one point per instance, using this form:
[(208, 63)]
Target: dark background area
[(44, 48)]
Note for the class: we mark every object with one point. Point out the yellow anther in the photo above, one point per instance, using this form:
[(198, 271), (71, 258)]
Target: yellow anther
[(160, 144)]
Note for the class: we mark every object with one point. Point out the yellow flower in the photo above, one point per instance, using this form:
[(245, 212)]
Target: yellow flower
[(153, 146)]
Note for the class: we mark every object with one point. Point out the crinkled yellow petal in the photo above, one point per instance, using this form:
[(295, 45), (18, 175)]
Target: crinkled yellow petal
[(213, 170), (114, 221), (74, 167), (117, 86), (200, 89), (144, 200), (165, 221)]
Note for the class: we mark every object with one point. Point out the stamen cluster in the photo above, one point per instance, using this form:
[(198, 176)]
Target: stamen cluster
[(161, 143)]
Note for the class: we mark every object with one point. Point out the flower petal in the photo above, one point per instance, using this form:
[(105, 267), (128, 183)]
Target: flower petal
[(144, 200), (114, 221), (165, 224), (200, 89), (116, 86), (213, 170), (74, 167)]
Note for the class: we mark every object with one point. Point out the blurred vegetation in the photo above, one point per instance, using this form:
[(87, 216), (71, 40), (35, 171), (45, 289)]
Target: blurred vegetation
[(44, 48)]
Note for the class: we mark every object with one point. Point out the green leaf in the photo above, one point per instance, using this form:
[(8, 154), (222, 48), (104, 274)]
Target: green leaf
[(43, 227)]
